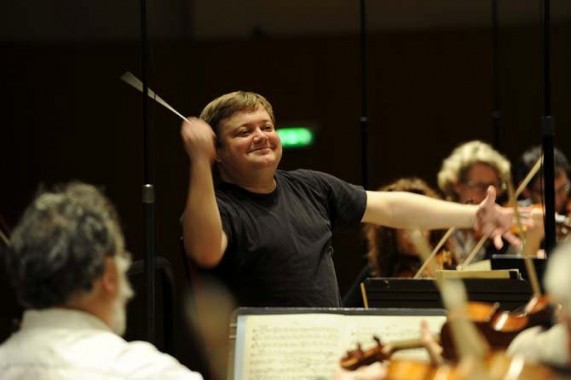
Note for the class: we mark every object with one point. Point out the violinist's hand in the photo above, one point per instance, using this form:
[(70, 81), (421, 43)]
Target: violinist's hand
[(495, 221), (430, 344), (375, 371)]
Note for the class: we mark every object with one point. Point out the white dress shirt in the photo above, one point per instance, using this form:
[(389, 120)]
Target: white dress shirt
[(543, 346), (70, 344)]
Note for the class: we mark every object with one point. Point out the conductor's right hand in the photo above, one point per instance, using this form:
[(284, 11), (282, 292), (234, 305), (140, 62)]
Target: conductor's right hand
[(198, 139)]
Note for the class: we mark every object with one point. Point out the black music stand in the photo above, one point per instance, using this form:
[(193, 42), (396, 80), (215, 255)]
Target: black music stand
[(518, 262), (423, 294)]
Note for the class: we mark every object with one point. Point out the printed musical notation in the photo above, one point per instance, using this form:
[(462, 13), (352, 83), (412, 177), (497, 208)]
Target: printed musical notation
[(309, 346)]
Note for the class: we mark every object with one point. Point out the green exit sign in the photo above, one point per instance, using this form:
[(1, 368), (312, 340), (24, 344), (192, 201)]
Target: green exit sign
[(296, 137)]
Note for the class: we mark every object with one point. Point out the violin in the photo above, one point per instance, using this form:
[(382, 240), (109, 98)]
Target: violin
[(539, 311), (496, 365), (475, 359), (358, 357), (498, 327), (493, 324)]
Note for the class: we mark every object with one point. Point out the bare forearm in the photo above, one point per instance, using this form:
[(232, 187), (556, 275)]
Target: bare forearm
[(204, 239), (407, 210)]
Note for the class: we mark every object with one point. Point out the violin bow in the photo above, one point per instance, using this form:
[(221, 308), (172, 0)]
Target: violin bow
[(468, 340), (513, 201), (531, 273), (532, 172), (434, 252), (474, 251)]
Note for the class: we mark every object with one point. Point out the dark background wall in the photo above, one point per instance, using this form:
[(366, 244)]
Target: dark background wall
[(66, 115)]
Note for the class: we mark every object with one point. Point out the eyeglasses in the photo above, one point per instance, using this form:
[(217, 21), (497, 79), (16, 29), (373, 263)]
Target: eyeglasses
[(561, 190), (482, 186)]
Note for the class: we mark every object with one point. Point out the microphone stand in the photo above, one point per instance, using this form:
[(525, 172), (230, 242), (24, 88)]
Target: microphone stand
[(148, 190), (548, 131), (364, 119)]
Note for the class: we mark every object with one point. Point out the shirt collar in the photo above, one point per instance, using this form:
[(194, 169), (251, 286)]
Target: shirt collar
[(62, 318)]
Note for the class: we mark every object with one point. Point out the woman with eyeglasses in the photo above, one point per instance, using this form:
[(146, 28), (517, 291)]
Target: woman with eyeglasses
[(464, 177)]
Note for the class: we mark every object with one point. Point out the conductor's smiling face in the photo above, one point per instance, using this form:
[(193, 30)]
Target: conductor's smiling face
[(248, 141)]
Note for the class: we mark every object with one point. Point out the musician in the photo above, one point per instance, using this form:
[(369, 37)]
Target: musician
[(551, 346), (464, 177), (267, 232), (68, 264), (533, 193), (390, 252)]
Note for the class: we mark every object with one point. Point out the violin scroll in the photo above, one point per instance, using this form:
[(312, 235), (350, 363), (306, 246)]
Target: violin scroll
[(354, 359)]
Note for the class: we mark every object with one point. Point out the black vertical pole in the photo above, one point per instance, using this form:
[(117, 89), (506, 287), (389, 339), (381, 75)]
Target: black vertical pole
[(364, 119), (148, 191), (548, 130), (496, 113)]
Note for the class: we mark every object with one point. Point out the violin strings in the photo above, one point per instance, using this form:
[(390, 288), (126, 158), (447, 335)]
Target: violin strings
[(134, 82)]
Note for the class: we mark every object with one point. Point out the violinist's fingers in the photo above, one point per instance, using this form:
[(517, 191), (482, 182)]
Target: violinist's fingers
[(424, 327), (425, 333), (432, 347)]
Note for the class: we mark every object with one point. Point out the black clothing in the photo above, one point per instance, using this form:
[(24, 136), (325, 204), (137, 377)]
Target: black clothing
[(279, 244)]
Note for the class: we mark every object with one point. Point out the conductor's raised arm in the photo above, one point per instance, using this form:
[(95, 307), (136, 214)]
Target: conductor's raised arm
[(204, 239)]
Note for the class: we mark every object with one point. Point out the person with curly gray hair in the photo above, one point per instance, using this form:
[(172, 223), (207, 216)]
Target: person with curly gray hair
[(68, 265), (551, 346), (464, 177), (470, 169)]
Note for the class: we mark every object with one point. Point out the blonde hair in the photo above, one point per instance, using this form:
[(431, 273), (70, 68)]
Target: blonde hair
[(462, 158), (228, 104)]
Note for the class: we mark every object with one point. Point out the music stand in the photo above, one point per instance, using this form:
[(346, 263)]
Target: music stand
[(518, 262), (307, 343), (423, 294)]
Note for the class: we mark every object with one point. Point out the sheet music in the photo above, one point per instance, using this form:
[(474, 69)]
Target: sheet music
[(309, 346)]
